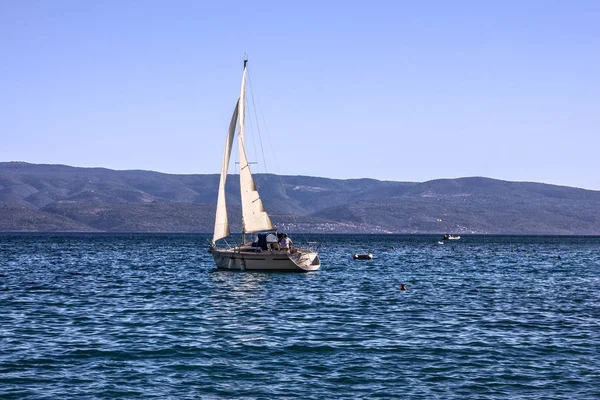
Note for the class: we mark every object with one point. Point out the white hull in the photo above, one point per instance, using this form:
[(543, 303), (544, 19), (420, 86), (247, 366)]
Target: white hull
[(451, 237), (276, 260)]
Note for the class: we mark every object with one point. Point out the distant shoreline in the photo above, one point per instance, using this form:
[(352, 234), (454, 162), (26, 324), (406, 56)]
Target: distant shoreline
[(59, 198), (296, 234)]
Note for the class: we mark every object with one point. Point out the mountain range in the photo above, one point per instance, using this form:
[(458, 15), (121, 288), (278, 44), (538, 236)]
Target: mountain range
[(55, 198)]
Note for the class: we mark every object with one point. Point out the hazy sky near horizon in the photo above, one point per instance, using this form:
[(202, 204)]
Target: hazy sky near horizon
[(391, 90)]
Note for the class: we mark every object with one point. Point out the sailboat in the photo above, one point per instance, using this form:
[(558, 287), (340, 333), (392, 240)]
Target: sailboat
[(264, 253)]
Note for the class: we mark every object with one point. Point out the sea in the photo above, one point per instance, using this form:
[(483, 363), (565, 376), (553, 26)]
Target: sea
[(138, 316)]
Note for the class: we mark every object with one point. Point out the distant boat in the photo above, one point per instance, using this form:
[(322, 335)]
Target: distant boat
[(263, 254), (451, 237)]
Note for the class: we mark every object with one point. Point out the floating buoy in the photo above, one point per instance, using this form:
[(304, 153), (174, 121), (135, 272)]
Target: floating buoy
[(363, 256)]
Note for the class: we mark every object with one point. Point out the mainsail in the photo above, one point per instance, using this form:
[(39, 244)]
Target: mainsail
[(254, 216), (221, 221)]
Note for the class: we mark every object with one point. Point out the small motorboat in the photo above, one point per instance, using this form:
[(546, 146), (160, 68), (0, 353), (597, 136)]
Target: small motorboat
[(451, 237)]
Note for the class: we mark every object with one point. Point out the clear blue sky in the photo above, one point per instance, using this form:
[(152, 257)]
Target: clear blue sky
[(394, 90)]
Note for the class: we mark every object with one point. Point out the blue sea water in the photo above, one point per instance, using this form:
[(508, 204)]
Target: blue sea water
[(148, 316)]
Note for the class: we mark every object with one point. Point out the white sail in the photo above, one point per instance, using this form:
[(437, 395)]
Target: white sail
[(254, 216), (221, 221)]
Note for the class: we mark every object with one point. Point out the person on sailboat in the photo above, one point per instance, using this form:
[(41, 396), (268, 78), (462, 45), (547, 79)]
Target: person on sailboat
[(286, 243), (272, 241)]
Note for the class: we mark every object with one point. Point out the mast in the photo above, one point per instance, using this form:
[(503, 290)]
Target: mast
[(242, 149), (254, 216)]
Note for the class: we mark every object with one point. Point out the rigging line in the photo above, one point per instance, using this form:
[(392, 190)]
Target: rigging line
[(257, 124), (262, 150), (251, 126), (291, 214)]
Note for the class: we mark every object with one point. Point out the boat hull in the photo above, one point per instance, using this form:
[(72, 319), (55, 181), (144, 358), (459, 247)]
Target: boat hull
[(299, 261), (451, 237)]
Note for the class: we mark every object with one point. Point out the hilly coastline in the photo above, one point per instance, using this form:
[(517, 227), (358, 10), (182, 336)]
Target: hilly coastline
[(59, 198)]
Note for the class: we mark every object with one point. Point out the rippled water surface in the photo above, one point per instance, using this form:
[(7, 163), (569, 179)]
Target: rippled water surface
[(148, 316)]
